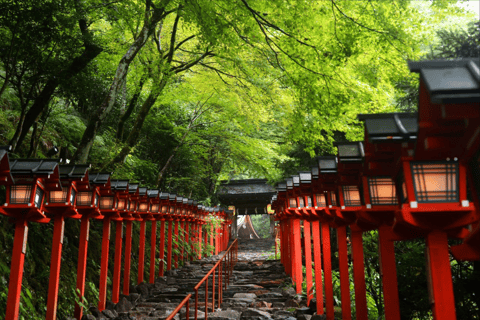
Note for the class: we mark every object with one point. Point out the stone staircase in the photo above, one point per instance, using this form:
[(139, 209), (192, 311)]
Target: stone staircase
[(259, 289)]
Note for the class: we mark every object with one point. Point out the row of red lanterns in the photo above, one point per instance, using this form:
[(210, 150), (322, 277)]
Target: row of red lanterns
[(414, 176), (42, 190)]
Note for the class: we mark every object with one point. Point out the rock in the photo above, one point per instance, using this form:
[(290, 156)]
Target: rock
[(109, 314), (94, 311), (291, 303), (261, 304), (124, 305), (133, 298), (304, 317), (255, 314), (132, 289), (319, 317), (123, 316), (191, 314), (110, 305), (171, 273), (289, 292), (142, 289), (225, 315), (88, 317), (303, 310), (245, 295)]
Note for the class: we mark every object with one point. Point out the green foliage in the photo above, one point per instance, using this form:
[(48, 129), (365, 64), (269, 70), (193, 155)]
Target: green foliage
[(261, 224)]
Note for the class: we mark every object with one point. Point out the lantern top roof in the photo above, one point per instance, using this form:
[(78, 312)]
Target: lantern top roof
[(210, 209), (185, 200), (216, 209), (200, 207), (281, 187), (195, 202), (120, 185), (289, 182), (164, 196), (305, 177), (350, 151), (172, 197), (314, 172), (33, 167), (142, 191), (327, 164), (274, 198), (390, 127), (71, 171), (450, 81), (179, 199), (153, 193), (190, 202), (133, 187), (296, 181), (99, 178)]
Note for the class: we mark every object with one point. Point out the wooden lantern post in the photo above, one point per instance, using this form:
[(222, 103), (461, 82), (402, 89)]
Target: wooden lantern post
[(58, 206), (295, 201), (88, 190), (121, 189), (142, 214), (109, 204), (387, 137), (325, 201), (177, 218), (350, 155), (170, 217), (24, 203), (153, 212), (164, 209), (306, 193), (434, 196), (129, 216)]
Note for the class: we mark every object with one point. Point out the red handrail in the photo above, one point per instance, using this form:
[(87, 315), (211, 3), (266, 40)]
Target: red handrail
[(231, 255)]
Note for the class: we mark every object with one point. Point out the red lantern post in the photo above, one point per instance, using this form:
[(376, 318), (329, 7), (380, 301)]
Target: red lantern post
[(151, 214), (172, 203), (24, 203), (61, 204), (164, 209)]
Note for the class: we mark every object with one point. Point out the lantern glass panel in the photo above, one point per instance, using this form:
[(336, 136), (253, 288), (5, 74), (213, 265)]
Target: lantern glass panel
[(84, 198), (38, 197), (154, 207), (178, 211), (333, 198), (72, 196), (143, 207), (351, 196), (404, 190), (164, 209), (309, 202), (133, 206), (184, 211), (382, 191), (59, 196), (172, 210), (20, 194), (301, 202), (121, 204), (292, 203), (106, 203), (435, 182), (321, 201)]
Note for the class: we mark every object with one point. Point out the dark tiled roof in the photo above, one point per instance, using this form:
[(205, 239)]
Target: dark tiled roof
[(282, 187), (327, 164), (164, 196), (305, 177), (99, 178), (350, 151), (142, 191), (153, 193), (73, 171), (450, 81), (390, 127), (33, 166), (120, 185), (133, 187)]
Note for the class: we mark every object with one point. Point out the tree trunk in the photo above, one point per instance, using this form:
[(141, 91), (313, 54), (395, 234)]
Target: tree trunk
[(41, 102), (131, 106), (137, 127), (86, 143)]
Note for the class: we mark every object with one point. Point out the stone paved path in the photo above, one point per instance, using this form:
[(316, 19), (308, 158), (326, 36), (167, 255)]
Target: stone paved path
[(258, 290)]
